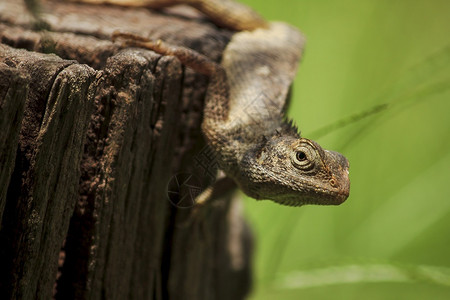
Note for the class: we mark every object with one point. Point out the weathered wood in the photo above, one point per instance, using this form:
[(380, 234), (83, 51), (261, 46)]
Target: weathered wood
[(43, 187), (97, 147), (13, 91)]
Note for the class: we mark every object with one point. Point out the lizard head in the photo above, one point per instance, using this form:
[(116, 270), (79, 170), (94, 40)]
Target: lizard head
[(296, 171)]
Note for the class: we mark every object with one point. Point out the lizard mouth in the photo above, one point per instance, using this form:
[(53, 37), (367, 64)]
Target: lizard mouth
[(330, 198)]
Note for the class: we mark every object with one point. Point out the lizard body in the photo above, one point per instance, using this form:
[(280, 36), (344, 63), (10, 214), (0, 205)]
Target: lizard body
[(260, 66), (244, 121)]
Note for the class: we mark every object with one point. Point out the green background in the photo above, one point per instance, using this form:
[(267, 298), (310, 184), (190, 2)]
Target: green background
[(374, 84)]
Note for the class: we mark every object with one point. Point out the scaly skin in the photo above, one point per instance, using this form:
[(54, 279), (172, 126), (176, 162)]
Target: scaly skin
[(244, 119)]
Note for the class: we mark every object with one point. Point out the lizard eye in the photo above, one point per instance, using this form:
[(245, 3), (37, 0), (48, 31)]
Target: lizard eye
[(303, 158)]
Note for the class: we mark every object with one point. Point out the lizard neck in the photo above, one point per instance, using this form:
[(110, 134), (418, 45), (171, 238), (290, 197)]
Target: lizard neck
[(233, 142)]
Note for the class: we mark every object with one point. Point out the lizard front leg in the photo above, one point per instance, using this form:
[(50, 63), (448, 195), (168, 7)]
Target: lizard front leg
[(188, 57)]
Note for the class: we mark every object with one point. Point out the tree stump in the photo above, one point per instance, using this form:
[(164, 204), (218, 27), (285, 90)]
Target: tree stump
[(92, 138)]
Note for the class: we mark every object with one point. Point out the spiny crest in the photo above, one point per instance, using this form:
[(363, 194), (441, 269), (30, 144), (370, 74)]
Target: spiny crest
[(289, 127)]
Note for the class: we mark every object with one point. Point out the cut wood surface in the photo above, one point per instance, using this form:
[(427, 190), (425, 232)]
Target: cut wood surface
[(91, 136)]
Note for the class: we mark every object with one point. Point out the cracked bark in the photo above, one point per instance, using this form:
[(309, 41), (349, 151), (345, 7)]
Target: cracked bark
[(90, 137)]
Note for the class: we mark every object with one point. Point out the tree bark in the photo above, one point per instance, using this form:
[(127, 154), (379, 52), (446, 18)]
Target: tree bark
[(92, 138)]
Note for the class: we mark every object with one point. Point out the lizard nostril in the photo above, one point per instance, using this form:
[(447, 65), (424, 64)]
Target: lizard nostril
[(333, 182)]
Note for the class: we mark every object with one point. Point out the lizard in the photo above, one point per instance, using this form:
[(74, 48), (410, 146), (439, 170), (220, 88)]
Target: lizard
[(244, 120)]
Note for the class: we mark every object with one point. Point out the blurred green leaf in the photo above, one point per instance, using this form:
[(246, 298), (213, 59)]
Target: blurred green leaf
[(358, 273), (374, 84)]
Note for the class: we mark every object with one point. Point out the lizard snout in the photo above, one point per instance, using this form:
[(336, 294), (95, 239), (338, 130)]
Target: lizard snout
[(339, 168)]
